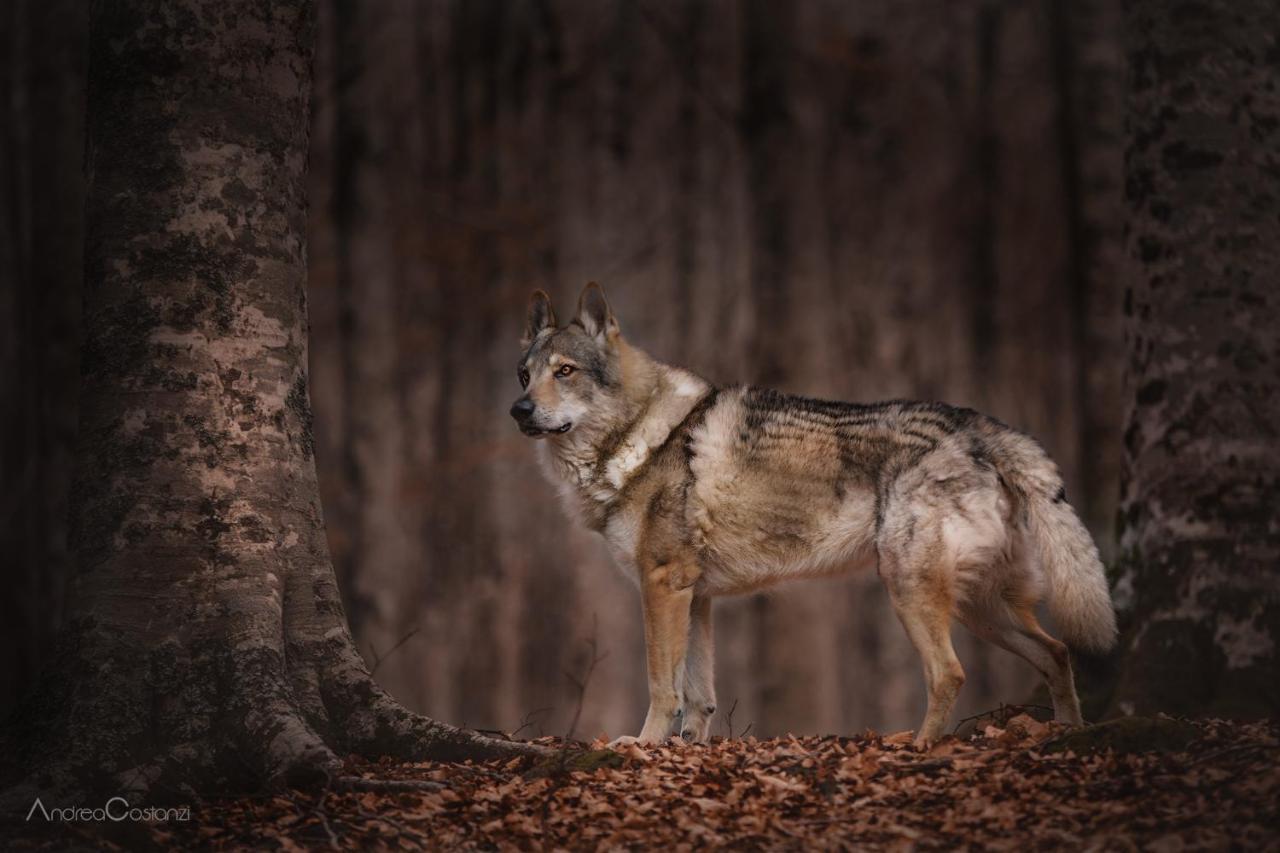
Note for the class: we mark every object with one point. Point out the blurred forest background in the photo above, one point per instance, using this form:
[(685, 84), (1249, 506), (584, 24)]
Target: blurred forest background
[(851, 200)]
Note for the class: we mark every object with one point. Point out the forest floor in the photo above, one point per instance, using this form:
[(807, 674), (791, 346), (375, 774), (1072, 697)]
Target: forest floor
[(1013, 782)]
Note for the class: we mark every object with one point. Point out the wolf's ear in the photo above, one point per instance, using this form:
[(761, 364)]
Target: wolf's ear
[(594, 313), (541, 316)]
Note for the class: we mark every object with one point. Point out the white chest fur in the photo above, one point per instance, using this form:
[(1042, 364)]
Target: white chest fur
[(576, 465)]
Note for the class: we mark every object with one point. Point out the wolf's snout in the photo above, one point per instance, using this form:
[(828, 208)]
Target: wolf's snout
[(521, 409)]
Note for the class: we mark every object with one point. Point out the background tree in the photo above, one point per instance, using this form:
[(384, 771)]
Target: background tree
[(41, 250), (205, 647), (1200, 546)]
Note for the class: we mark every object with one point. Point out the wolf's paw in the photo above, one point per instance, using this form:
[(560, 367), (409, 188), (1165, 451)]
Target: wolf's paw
[(697, 734), (629, 740), (923, 742), (695, 726)]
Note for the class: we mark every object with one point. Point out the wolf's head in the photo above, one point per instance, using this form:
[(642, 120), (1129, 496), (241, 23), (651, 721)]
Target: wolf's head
[(572, 376)]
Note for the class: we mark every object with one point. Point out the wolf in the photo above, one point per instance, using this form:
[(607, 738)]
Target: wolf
[(703, 491)]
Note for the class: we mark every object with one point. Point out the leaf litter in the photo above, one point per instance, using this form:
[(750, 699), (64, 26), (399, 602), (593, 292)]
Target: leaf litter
[(1015, 783)]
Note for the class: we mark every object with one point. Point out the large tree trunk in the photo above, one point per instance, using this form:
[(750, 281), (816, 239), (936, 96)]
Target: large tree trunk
[(207, 648), (1200, 547)]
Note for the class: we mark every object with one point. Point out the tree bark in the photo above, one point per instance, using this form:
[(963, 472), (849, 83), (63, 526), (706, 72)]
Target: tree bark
[(1199, 579), (207, 650)]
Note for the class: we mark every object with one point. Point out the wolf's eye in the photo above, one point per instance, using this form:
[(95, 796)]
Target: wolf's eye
[(565, 370), (523, 376)]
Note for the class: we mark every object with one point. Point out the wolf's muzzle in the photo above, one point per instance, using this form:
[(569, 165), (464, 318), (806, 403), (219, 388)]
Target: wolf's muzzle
[(522, 409)]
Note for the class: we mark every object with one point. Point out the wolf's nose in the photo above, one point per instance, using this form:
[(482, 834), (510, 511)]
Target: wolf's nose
[(522, 409)]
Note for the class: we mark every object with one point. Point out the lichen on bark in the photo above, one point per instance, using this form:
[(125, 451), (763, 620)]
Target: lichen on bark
[(207, 650), (1199, 578)]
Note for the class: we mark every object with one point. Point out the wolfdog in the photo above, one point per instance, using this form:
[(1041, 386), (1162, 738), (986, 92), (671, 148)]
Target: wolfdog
[(703, 491)]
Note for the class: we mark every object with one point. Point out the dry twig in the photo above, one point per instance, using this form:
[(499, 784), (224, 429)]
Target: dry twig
[(379, 660)]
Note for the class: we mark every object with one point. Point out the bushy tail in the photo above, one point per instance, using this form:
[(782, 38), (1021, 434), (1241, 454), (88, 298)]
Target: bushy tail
[(1079, 600)]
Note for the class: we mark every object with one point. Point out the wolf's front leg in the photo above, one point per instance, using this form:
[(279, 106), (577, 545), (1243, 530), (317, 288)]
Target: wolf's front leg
[(699, 674), (667, 591)]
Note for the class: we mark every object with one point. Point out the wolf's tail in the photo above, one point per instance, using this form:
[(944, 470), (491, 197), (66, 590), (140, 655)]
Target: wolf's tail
[(1079, 600)]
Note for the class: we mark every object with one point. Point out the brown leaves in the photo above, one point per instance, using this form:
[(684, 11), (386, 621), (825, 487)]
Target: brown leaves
[(999, 789)]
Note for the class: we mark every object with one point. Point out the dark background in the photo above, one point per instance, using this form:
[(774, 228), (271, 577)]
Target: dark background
[(853, 200)]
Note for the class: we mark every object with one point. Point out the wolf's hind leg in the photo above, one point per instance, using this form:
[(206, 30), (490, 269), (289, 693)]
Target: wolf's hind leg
[(924, 607), (1020, 632), (699, 673)]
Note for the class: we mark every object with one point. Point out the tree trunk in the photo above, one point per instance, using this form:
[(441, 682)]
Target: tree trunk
[(1199, 580), (206, 649)]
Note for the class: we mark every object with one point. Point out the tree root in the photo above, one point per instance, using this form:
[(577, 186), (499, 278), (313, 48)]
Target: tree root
[(236, 724), (364, 719)]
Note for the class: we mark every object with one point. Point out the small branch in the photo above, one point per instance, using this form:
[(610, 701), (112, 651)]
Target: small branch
[(728, 722), (528, 720), (1003, 714), (728, 719), (408, 835), (319, 812), (494, 733), (378, 659), (582, 683), (559, 776), (1239, 747)]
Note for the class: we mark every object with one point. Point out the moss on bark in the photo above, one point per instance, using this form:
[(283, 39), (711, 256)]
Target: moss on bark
[(1127, 735)]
